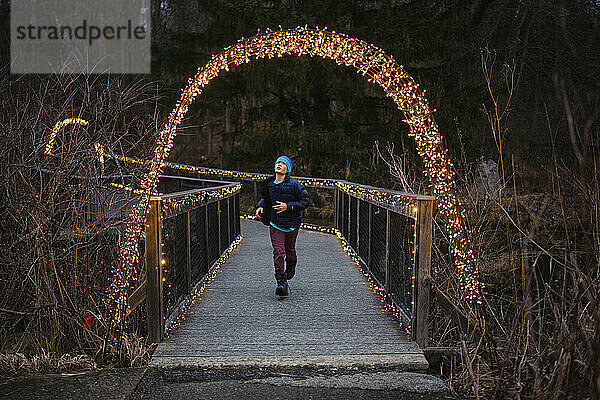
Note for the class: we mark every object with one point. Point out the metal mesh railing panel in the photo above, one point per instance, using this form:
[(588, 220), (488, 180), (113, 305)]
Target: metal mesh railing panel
[(345, 202), (223, 223), (213, 232), (238, 228), (198, 251), (363, 230), (230, 217), (174, 238), (338, 211), (352, 225), (402, 260), (344, 211), (377, 264)]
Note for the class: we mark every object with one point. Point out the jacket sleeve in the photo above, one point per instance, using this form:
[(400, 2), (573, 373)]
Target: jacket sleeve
[(261, 196), (303, 199)]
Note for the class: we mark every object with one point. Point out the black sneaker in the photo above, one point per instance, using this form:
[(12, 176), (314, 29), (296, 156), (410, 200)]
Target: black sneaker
[(290, 269), (282, 286), (282, 290)]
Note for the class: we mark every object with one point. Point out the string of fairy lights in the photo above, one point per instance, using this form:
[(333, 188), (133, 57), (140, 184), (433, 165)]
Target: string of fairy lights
[(57, 127), (198, 291), (223, 173), (179, 204), (369, 61), (404, 203), (407, 205), (129, 188), (379, 291)]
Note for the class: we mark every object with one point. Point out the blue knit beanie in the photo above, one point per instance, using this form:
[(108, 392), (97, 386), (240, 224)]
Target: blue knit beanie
[(287, 161)]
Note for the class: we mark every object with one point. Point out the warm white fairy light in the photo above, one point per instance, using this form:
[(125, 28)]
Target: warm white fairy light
[(226, 174), (368, 60), (100, 153), (173, 206), (125, 187), (186, 306), (379, 291), (57, 128)]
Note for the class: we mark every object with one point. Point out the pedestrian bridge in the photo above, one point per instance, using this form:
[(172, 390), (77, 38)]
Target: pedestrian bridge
[(360, 295), (332, 316)]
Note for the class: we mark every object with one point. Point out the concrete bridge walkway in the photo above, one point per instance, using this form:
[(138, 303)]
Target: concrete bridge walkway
[(331, 319)]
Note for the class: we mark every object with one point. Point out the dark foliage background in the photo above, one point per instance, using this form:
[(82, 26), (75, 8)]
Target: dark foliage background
[(258, 110)]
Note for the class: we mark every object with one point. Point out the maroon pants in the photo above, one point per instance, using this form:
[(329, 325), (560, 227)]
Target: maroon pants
[(284, 248)]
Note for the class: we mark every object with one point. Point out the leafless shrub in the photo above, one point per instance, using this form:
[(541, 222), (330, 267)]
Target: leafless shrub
[(18, 364), (536, 335), (401, 170), (138, 353), (57, 218)]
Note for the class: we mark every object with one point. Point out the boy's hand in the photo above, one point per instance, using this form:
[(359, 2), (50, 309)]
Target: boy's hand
[(259, 211), (280, 207)]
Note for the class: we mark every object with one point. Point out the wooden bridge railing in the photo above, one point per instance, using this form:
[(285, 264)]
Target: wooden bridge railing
[(390, 231), (391, 234), (186, 233)]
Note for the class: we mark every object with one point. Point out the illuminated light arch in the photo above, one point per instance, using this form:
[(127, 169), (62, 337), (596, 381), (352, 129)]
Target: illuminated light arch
[(57, 128), (368, 60)]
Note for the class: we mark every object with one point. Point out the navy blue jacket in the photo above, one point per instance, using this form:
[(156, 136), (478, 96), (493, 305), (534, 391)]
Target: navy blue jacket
[(291, 192)]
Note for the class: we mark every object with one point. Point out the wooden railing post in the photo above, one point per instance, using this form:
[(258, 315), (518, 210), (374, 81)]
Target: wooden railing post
[(219, 225), (347, 234), (154, 289), (422, 271), (230, 205), (342, 211), (238, 228)]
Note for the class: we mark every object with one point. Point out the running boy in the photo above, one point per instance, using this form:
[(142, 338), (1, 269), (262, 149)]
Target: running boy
[(288, 198)]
